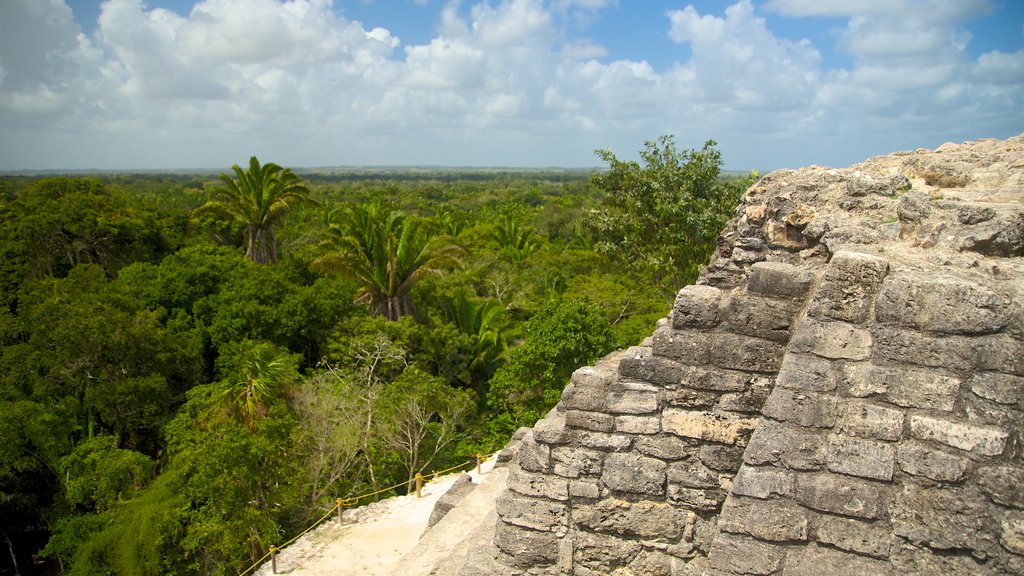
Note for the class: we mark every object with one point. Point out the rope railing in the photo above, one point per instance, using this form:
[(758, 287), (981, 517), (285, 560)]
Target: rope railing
[(343, 503)]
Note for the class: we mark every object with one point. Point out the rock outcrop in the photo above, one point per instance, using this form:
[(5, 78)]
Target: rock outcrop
[(840, 393)]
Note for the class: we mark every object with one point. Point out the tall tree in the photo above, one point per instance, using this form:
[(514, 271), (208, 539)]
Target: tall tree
[(387, 253), (257, 198)]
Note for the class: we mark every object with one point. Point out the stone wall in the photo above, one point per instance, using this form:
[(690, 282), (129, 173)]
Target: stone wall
[(841, 393)]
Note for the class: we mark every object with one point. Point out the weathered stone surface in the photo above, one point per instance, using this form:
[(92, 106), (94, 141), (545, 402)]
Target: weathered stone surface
[(1000, 353), (632, 402), (687, 347), (638, 424), (525, 547), (763, 482), (696, 307), (848, 287), (590, 398), (716, 380), (1001, 388), (665, 447), (532, 513), (860, 457), (988, 441), (643, 519), (956, 353), (749, 402), (759, 316), (835, 340), (627, 472), (707, 425), (920, 460), (602, 554), (903, 386), (840, 495), (597, 421), (945, 518), (1003, 484), (654, 369), (780, 280), (911, 559), (777, 520), (868, 420), (942, 304), (1012, 536), (778, 443), (458, 490), (605, 441), (871, 539), (802, 407), (692, 475), (702, 499), (534, 456), (721, 457), (551, 429), (571, 462), (748, 353), (807, 372), (691, 398), (812, 560), (736, 554), (652, 563), (913, 208), (540, 485)]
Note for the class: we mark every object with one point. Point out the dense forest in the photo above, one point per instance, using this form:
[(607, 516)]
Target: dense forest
[(195, 367)]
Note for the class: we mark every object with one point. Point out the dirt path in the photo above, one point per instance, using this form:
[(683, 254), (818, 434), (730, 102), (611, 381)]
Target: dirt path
[(371, 541)]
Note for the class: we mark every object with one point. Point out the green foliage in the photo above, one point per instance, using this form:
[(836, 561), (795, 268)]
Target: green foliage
[(98, 475), (660, 218), (561, 337)]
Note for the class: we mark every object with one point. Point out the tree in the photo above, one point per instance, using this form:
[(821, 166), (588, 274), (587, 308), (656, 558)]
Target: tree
[(260, 372), (661, 218), (257, 198), (387, 253)]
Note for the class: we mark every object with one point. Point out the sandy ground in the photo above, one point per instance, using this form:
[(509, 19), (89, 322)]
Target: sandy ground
[(371, 540)]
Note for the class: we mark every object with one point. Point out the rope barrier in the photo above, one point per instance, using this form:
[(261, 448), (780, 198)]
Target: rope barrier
[(348, 503)]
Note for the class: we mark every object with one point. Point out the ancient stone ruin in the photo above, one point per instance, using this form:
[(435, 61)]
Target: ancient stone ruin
[(842, 392)]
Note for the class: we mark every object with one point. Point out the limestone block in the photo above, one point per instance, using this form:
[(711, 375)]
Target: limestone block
[(988, 441), (628, 472), (665, 447), (860, 457), (1000, 353), (807, 372), (691, 398), (737, 554), (534, 456), (780, 280), (644, 519), (945, 517), (584, 489), (1004, 485), (1000, 388), (815, 560), (1012, 536), (941, 304), (602, 554), (834, 340), (692, 475), (747, 353), (532, 513), (776, 520), (701, 499), (911, 559), (590, 398), (688, 347), (803, 408), (868, 420), (605, 441), (840, 495), (652, 563), (956, 353), (872, 539), (524, 547), (716, 379), (597, 421), (778, 443), (707, 425), (539, 485), (601, 377), (749, 402), (904, 386), (760, 316), (551, 429), (848, 287), (638, 424), (632, 402), (696, 307), (654, 369), (762, 482), (720, 457), (921, 460), (571, 461)]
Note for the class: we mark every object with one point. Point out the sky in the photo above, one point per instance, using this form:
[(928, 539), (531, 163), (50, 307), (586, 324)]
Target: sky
[(179, 84)]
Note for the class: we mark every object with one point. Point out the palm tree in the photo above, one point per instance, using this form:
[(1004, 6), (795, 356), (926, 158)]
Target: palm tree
[(262, 370), (387, 252), (257, 198)]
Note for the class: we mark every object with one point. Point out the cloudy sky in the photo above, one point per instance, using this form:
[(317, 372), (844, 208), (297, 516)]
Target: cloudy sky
[(126, 84)]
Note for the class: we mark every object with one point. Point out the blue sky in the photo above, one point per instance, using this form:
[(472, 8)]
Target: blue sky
[(131, 84)]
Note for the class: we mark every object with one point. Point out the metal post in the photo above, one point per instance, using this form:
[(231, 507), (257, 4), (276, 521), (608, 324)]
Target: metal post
[(419, 485), (273, 559)]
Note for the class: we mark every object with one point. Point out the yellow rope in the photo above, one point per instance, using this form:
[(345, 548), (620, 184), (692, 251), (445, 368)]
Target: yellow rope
[(347, 503)]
